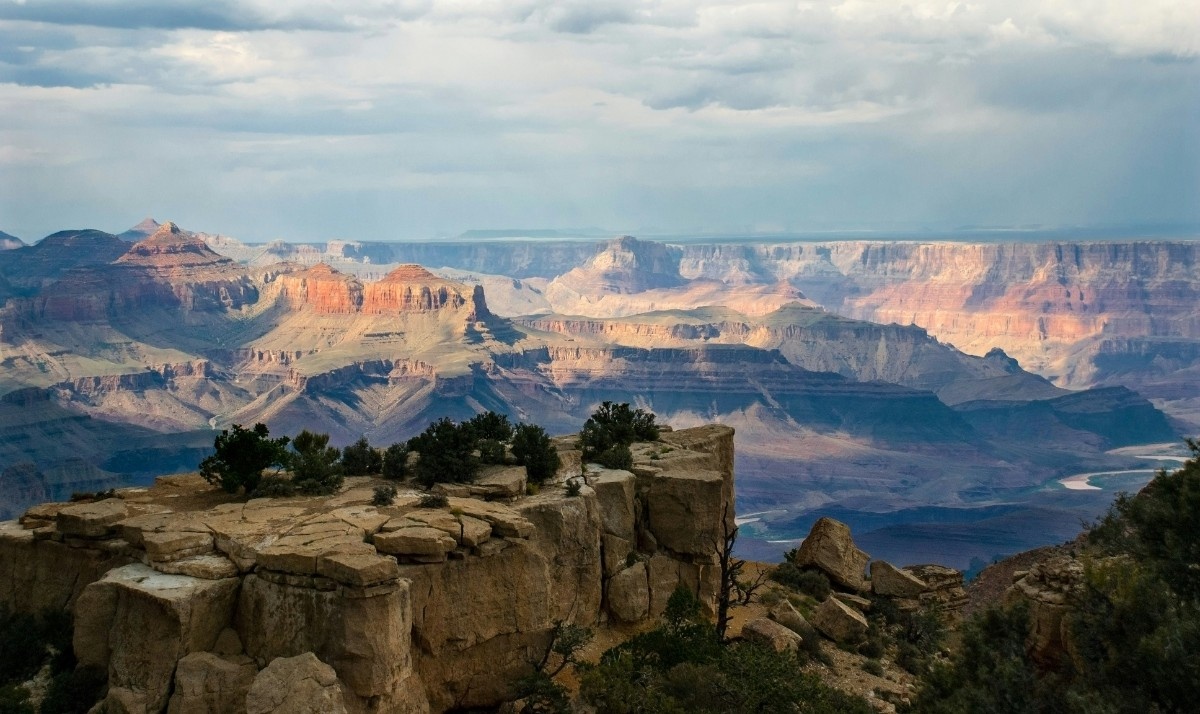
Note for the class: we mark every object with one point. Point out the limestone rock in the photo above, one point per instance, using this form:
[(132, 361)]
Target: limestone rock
[(138, 623), (839, 622), (91, 520), (206, 567), (615, 552), (685, 511), (416, 541), (361, 569), (1050, 588), (208, 684), (890, 581), (944, 586), (296, 685), (503, 483), (614, 490), (466, 530), (771, 634), (629, 594), (855, 601), (665, 575), (785, 614), (830, 548)]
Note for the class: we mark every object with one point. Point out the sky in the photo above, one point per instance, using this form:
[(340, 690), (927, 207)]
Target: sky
[(411, 119)]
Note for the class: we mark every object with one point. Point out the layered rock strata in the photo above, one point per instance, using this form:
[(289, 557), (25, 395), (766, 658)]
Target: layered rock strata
[(194, 601)]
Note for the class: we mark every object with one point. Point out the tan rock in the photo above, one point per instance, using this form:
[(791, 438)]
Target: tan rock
[(785, 614), (615, 552), (857, 602), (466, 530), (138, 623), (500, 482), (91, 520), (830, 548), (684, 511), (505, 522), (296, 685), (628, 596), (173, 545), (421, 541), (839, 622), (614, 490), (205, 567), (296, 559), (208, 684), (771, 634), (890, 581), (228, 643), (944, 587), (358, 569)]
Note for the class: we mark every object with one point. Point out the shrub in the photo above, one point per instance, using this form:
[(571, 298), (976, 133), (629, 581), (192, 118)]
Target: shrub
[(75, 691), (531, 447), (617, 457), (613, 425), (873, 666), (433, 500), (490, 426), (359, 459), (316, 467), (491, 451), (447, 453), (241, 457), (813, 583), (574, 487), (395, 462), (274, 487), (383, 496)]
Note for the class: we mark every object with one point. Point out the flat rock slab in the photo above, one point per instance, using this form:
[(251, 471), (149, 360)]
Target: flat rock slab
[(890, 581), (91, 520), (361, 569), (771, 634), (839, 622), (205, 567), (418, 540)]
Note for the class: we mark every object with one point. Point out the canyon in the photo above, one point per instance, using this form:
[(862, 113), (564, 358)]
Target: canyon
[(915, 389)]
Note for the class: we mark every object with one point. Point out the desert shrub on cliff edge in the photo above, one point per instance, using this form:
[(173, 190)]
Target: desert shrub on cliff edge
[(446, 453), (1133, 629), (607, 434), (316, 466), (531, 446), (681, 667), (359, 459), (241, 457), (395, 462), (29, 643)]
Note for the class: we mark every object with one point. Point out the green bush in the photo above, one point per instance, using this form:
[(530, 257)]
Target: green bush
[(490, 426), (395, 462), (617, 457), (615, 425), (316, 466), (241, 457), (574, 487), (433, 500), (813, 583), (447, 453), (75, 691), (383, 496), (491, 451), (274, 487), (873, 666), (28, 643), (531, 447), (359, 459)]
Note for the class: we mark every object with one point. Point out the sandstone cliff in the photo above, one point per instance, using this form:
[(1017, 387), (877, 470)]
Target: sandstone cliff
[(194, 601)]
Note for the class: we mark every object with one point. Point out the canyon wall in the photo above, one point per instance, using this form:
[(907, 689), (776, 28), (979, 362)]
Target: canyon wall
[(193, 600)]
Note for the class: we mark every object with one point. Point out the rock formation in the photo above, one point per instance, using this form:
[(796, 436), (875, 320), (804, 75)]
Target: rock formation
[(194, 601)]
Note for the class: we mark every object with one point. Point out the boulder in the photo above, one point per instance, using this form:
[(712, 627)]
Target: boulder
[(830, 548), (614, 490), (417, 541), (889, 581), (684, 511), (629, 594), (502, 483), (944, 586), (91, 520), (296, 685), (138, 623), (205, 567), (1049, 588), (771, 634), (208, 684), (855, 601), (785, 614), (839, 622), (615, 553)]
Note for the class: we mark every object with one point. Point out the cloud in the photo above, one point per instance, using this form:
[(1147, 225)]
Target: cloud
[(265, 117)]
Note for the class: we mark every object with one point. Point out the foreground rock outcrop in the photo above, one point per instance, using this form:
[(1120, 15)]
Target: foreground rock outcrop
[(194, 601)]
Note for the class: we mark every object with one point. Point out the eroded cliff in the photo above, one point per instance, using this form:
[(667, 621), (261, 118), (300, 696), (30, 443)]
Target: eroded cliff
[(192, 600)]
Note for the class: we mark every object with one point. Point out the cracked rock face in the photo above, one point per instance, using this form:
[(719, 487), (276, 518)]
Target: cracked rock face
[(195, 601)]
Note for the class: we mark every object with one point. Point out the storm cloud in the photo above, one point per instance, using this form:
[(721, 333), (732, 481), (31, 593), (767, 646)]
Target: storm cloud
[(398, 120)]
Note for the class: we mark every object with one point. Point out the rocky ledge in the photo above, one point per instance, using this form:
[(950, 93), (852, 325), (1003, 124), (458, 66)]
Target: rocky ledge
[(195, 601)]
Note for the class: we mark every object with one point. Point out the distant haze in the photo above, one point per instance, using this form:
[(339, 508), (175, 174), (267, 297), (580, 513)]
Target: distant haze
[(415, 119)]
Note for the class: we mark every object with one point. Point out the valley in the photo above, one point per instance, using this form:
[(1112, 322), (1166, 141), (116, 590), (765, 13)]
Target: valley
[(930, 395)]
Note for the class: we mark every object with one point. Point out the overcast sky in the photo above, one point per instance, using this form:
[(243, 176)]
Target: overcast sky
[(407, 118)]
